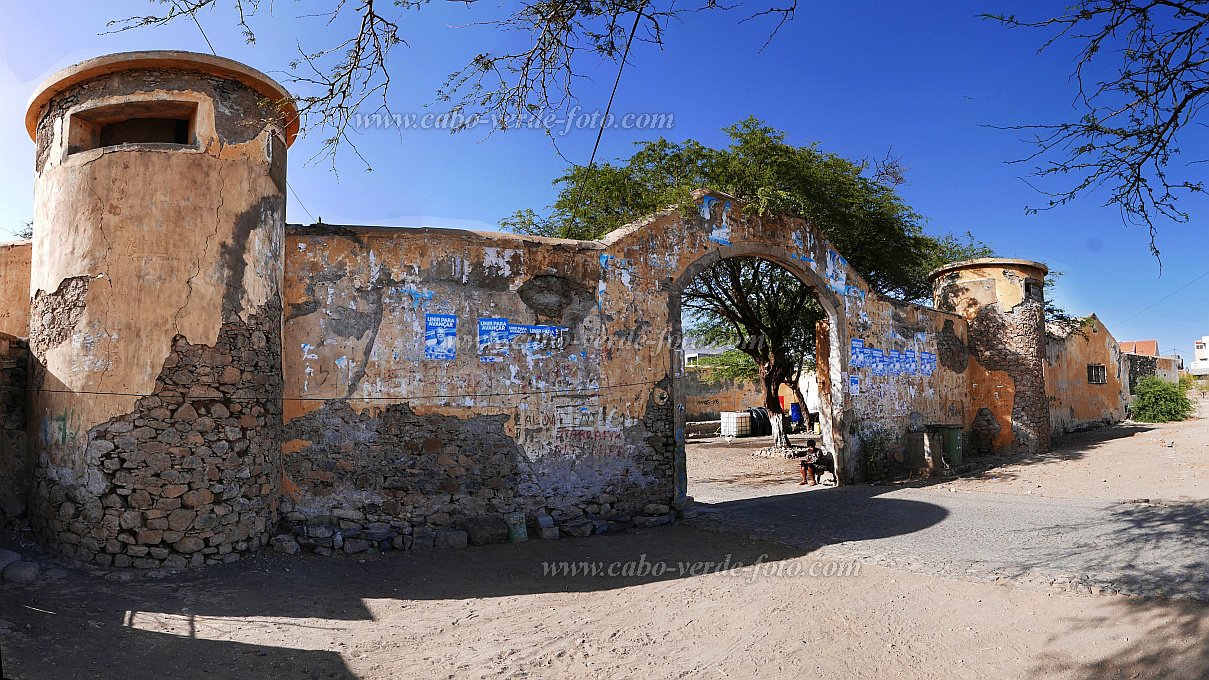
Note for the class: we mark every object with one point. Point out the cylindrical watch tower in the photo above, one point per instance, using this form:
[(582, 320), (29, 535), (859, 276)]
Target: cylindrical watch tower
[(156, 307), (1003, 301)]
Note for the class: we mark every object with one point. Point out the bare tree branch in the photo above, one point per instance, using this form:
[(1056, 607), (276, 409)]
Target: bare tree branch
[(1127, 139), (509, 87)]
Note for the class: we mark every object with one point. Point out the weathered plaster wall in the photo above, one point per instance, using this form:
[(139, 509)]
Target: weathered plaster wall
[(14, 288), (16, 467), (391, 429), (907, 373), (705, 399), (155, 327), (1002, 302), (1075, 404), (402, 416)]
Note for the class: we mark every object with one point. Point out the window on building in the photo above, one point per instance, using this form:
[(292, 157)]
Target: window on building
[(1097, 374), (138, 122)]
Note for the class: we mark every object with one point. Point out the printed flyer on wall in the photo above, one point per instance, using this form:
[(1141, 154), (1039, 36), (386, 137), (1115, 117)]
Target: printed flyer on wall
[(493, 340), (440, 336)]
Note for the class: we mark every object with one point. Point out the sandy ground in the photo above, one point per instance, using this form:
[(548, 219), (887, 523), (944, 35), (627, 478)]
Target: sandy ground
[(493, 612), (721, 470), (1168, 462)]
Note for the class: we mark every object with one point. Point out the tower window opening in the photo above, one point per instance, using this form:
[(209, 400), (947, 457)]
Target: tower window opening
[(139, 122)]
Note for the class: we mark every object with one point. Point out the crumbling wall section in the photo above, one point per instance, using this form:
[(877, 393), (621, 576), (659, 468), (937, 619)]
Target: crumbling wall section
[(16, 467), (191, 475), (1013, 341), (1077, 403), (436, 379), (906, 372)]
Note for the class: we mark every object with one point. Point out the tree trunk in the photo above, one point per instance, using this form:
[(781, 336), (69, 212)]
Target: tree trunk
[(780, 430)]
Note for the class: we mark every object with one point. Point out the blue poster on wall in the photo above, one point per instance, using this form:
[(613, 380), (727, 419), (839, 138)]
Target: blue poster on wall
[(537, 342), (927, 363), (440, 336), (493, 340), (857, 357)]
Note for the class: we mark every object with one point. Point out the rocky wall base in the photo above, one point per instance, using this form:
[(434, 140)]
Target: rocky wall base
[(191, 476)]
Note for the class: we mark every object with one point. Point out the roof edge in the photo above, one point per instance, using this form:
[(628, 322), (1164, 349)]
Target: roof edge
[(73, 75)]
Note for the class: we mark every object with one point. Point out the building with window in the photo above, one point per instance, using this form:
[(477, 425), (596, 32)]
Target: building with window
[(1200, 362), (1084, 376)]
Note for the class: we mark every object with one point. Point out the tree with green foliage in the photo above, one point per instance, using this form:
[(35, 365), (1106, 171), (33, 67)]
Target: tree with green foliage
[(749, 303), (1159, 401), (732, 364), (766, 313), (1187, 382)]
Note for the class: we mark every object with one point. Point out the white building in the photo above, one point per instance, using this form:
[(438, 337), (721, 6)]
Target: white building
[(1200, 361)]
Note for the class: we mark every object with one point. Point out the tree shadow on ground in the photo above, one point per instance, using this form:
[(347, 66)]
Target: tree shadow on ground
[(1136, 548), (825, 516), (91, 623), (1173, 644)]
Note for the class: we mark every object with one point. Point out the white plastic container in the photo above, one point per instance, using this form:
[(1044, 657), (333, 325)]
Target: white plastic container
[(736, 424)]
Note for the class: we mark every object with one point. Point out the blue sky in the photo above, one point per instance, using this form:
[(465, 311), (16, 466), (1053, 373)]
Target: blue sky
[(925, 80)]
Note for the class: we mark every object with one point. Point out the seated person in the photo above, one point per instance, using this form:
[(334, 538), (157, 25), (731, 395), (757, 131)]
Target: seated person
[(815, 463)]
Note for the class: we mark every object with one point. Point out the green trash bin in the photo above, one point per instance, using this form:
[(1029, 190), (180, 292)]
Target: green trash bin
[(952, 443)]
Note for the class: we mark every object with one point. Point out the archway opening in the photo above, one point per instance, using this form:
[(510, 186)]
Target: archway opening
[(754, 394)]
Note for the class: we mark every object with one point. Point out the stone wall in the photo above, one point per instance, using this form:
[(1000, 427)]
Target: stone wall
[(16, 468), (388, 435), (705, 397), (191, 475)]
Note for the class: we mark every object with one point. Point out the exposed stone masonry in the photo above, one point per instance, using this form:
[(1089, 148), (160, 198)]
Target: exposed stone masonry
[(190, 476), (1014, 342), (16, 468), (53, 315), (952, 352), (400, 480)]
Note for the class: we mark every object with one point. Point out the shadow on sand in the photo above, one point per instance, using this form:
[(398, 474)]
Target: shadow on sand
[(94, 625)]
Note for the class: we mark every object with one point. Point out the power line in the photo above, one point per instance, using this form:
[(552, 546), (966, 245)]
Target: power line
[(609, 107), (1165, 298), (300, 203)]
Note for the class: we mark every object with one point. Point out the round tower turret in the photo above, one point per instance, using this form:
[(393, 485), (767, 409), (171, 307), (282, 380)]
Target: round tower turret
[(156, 307), (1003, 302)]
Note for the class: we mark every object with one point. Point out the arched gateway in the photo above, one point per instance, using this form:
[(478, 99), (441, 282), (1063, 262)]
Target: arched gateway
[(424, 385)]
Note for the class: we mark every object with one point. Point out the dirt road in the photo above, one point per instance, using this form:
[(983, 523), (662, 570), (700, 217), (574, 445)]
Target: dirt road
[(491, 613), (499, 612)]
